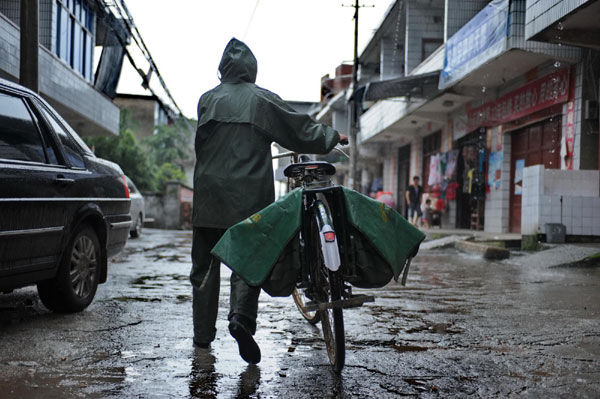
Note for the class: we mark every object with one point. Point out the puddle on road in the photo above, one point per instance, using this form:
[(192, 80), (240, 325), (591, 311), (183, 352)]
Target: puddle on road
[(409, 348), (436, 328), (169, 258), (135, 299), (159, 279)]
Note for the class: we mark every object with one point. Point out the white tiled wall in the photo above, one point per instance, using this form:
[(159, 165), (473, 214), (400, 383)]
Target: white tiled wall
[(391, 59), (459, 12), (497, 200), (9, 47), (420, 25), (542, 13), (47, 11), (517, 35), (570, 197)]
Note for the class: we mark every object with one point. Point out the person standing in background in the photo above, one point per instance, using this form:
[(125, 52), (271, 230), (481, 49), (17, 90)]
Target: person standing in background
[(413, 199)]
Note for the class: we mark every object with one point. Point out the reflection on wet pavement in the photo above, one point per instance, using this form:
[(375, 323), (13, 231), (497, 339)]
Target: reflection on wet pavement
[(461, 327)]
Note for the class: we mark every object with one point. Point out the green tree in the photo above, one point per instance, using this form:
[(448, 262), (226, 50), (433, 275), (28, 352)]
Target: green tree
[(169, 147), (154, 161), (170, 143), (131, 157)]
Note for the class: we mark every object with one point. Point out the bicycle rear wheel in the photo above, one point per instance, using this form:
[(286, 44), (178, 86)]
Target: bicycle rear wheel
[(313, 317), (332, 323), (328, 287)]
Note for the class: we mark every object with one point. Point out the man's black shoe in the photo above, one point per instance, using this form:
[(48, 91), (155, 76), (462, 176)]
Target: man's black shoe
[(249, 350), (201, 344)]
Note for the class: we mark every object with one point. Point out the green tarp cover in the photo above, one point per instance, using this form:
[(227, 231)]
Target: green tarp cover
[(252, 247), (392, 235)]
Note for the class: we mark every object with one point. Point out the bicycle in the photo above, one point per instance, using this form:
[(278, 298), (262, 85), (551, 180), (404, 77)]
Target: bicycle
[(322, 294)]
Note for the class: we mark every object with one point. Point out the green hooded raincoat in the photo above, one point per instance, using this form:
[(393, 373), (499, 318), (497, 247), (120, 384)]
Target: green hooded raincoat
[(237, 123)]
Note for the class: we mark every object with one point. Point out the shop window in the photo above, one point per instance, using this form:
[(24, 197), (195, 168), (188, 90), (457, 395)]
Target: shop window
[(74, 35), (428, 46)]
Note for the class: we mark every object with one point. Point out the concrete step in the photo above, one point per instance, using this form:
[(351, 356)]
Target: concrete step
[(490, 252)]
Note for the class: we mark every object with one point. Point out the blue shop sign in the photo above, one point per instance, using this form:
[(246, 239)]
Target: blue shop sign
[(479, 40)]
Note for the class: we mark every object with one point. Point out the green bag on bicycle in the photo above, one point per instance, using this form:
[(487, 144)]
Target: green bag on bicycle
[(381, 241), (264, 248)]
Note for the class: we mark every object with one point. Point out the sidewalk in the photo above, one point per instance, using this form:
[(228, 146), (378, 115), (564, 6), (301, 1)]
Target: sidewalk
[(489, 246), (477, 235)]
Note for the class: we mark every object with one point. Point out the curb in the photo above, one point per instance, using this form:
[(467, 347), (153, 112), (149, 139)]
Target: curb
[(487, 251)]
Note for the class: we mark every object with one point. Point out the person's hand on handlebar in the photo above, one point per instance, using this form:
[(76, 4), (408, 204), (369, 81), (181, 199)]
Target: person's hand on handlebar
[(343, 139)]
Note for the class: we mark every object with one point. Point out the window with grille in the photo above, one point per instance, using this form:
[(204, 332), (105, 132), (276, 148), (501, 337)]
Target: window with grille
[(75, 35)]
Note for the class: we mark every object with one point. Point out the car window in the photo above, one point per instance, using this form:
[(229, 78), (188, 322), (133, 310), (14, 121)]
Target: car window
[(72, 152), (130, 185), (19, 137)]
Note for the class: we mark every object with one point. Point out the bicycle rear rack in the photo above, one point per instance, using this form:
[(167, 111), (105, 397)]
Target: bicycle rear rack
[(354, 301)]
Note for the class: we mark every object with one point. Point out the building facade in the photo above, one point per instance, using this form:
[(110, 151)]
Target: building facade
[(507, 137), (146, 113), (68, 31)]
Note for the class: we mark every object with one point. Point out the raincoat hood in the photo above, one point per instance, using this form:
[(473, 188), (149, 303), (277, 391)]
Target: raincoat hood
[(238, 64)]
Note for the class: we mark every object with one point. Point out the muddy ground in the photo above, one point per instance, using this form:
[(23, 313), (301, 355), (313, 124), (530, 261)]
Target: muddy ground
[(462, 327)]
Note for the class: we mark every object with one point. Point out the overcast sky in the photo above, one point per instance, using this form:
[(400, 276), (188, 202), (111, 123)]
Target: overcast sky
[(296, 42)]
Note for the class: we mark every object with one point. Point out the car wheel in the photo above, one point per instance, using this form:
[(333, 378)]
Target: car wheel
[(75, 284), (137, 231)]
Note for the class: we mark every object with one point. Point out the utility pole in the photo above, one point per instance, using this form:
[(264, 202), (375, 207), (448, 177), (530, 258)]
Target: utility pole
[(353, 109), (29, 63), (353, 115)]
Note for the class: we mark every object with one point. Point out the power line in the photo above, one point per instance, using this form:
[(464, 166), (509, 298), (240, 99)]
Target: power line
[(118, 6), (251, 19)]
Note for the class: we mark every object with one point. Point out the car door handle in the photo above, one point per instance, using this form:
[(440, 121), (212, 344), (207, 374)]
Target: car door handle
[(60, 179)]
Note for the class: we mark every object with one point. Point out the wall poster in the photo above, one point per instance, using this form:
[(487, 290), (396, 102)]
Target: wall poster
[(495, 170), (519, 166)]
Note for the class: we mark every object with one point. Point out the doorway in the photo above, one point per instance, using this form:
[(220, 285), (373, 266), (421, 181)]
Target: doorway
[(537, 144), (403, 179), (469, 194)]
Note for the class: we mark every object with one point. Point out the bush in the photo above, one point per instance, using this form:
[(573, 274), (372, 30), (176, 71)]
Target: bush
[(168, 172)]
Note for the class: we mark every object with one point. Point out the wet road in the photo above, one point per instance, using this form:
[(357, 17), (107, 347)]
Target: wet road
[(462, 327)]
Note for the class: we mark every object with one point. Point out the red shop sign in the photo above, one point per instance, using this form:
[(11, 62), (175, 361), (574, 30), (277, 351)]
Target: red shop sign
[(534, 96)]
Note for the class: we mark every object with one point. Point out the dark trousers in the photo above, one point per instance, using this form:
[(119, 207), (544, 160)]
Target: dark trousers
[(206, 280)]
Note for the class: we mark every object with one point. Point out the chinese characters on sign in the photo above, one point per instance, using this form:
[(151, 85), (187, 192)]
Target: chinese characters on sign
[(534, 96)]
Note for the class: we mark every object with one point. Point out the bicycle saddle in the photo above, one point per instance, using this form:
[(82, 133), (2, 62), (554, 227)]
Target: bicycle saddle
[(318, 166)]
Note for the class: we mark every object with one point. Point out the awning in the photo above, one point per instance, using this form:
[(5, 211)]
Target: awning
[(419, 86)]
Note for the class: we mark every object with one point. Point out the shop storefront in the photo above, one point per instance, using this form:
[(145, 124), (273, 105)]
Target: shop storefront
[(523, 128), (537, 144)]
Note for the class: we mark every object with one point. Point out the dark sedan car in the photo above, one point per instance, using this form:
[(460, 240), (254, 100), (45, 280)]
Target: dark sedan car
[(63, 211)]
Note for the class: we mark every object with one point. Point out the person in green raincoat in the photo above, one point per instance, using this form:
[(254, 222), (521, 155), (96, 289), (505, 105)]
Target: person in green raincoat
[(233, 179)]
